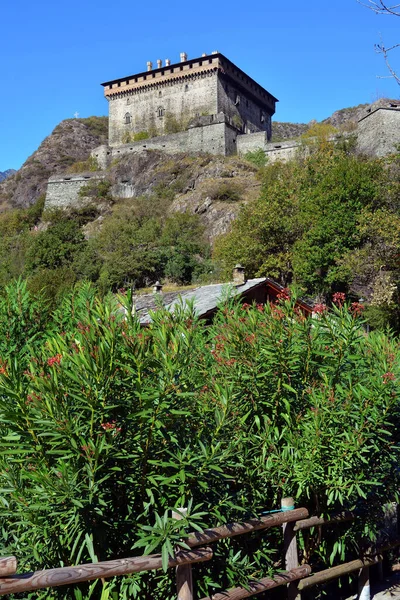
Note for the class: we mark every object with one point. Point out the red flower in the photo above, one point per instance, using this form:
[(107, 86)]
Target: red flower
[(357, 308), (284, 294), (320, 308), (54, 360), (339, 298), (388, 377)]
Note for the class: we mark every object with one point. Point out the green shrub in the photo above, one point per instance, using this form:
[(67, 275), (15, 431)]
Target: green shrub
[(111, 425), (141, 135), (258, 158), (225, 191), (90, 164)]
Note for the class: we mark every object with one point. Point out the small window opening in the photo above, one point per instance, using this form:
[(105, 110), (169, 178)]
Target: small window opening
[(186, 88), (160, 94), (128, 119), (237, 100), (160, 111)]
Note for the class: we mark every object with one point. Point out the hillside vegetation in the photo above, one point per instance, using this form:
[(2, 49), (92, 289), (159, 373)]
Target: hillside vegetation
[(328, 221)]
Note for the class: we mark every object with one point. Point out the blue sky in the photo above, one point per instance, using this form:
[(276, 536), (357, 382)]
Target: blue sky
[(316, 56)]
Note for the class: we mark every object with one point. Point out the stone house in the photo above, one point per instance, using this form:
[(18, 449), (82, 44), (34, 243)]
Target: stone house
[(206, 299)]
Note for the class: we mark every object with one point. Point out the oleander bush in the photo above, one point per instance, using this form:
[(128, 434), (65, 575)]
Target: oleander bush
[(106, 426)]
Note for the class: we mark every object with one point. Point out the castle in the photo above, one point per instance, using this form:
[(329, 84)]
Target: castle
[(205, 104), (174, 96)]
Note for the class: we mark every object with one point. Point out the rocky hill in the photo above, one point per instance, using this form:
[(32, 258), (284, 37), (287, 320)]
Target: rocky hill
[(214, 187), (71, 141), (345, 116), (5, 174)]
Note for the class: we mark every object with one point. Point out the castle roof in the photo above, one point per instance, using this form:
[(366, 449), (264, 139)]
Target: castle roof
[(187, 69)]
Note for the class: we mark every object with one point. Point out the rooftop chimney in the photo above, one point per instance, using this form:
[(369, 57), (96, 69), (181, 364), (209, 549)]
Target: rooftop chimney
[(239, 275), (149, 65), (204, 54), (157, 289), (183, 56), (159, 63), (167, 62), (215, 52)]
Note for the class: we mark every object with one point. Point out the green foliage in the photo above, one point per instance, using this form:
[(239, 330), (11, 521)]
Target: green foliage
[(174, 125), (141, 135), (97, 189), (55, 247), (140, 247), (97, 126), (224, 191), (105, 427), (305, 221), (319, 136), (90, 164), (257, 158)]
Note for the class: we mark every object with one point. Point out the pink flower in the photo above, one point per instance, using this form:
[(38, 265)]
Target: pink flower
[(320, 308), (284, 294), (339, 298), (388, 377)]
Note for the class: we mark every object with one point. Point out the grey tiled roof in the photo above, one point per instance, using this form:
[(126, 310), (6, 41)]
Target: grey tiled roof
[(205, 298)]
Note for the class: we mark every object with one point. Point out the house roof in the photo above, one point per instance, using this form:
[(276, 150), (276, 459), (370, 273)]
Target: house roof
[(205, 298)]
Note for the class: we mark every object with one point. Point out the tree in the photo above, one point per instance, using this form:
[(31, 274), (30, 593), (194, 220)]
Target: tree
[(382, 8)]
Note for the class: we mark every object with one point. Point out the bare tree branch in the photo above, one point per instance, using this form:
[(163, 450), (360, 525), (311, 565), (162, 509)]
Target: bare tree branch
[(381, 49), (381, 7)]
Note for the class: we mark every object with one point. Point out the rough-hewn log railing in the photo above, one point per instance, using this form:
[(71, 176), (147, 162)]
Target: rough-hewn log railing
[(296, 577)]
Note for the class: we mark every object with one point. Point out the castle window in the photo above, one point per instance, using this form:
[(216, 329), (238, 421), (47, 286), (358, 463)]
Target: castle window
[(128, 119), (262, 117), (186, 88), (160, 111), (160, 93), (237, 101)]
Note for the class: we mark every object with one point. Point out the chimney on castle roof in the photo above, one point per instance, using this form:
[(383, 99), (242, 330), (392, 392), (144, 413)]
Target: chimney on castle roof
[(167, 62), (215, 52), (204, 54), (183, 56), (159, 63), (157, 289), (149, 65), (239, 277)]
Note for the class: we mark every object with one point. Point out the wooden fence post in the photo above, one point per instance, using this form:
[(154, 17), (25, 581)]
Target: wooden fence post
[(184, 576), (290, 549)]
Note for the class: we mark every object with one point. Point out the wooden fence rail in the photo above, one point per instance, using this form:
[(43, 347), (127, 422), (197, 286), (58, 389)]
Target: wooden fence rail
[(67, 575), (296, 577)]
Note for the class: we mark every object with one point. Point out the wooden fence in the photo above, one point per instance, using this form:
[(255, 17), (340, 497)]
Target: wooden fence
[(296, 577)]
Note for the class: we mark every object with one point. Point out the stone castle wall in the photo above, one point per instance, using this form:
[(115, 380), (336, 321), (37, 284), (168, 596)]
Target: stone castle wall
[(378, 134), (250, 116), (216, 137), (150, 109), (63, 191)]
